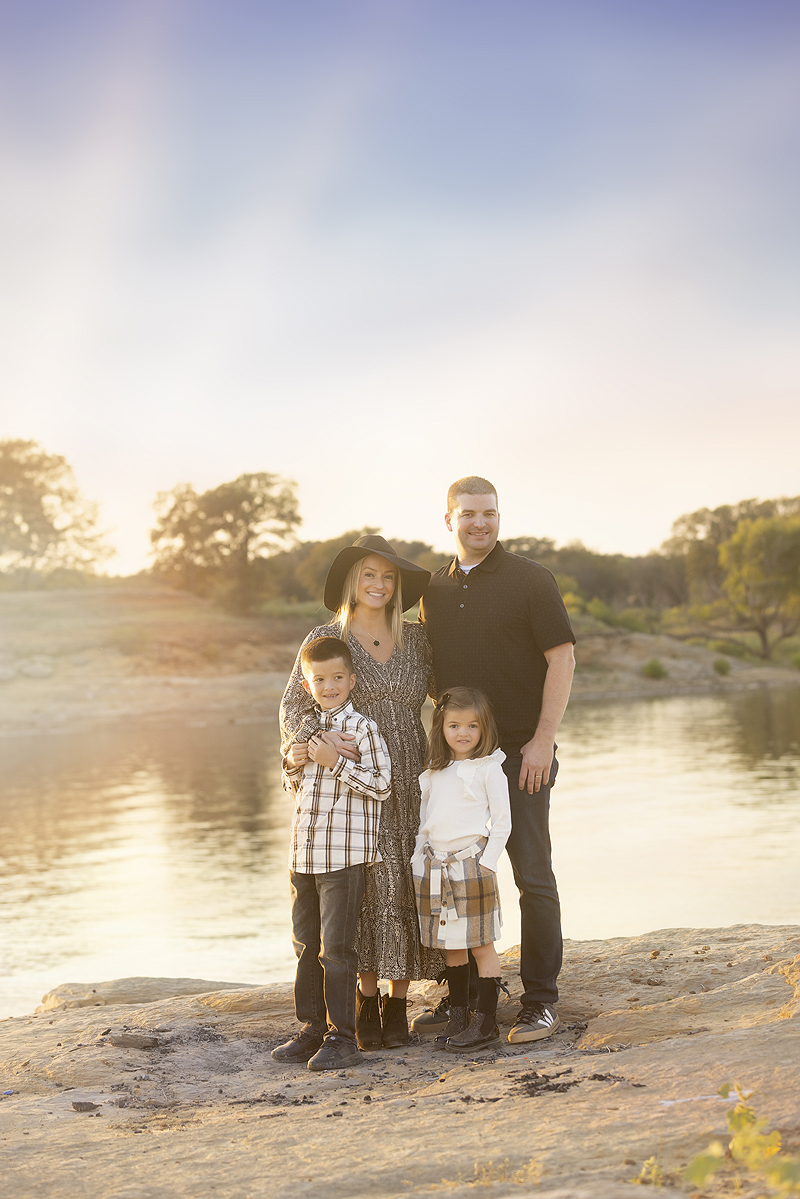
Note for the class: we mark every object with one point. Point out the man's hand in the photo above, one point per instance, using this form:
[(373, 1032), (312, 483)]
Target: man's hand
[(537, 755), (537, 758), (298, 753), (322, 752), (342, 743)]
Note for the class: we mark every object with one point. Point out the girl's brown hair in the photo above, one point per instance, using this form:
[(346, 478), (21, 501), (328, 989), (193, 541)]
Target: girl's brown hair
[(458, 698)]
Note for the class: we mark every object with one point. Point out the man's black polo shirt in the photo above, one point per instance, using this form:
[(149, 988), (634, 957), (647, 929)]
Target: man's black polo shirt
[(489, 629)]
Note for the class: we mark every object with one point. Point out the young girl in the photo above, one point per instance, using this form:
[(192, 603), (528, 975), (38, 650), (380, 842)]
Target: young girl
[(465, 820)]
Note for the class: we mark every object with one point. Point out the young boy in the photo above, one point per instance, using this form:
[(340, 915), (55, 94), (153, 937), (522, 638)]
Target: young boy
[(334, 838)]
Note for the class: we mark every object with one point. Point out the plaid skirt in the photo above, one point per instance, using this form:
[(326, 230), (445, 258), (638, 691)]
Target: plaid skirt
[(457, 899)]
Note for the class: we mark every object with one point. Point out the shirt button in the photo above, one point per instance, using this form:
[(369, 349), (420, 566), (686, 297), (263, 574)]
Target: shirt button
[(443, 922), (461, 605), (465, 586)]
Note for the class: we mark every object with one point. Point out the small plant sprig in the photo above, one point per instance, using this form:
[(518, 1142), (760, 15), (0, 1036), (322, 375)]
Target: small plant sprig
[(750, 1148), (650, 1175)]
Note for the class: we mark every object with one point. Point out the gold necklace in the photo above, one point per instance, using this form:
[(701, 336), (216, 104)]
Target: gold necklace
[(374, 640)]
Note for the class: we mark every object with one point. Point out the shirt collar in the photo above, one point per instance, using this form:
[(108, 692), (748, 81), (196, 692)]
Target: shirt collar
[(328, 718), (490, 562)]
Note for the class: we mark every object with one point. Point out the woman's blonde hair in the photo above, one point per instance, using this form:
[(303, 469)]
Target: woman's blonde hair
[(456, 699), (394, 608)]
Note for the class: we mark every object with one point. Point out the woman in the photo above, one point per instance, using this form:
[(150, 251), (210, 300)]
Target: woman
[(369, 587)]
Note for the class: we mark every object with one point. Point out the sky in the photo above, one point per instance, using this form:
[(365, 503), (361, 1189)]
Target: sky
[(375, 246)]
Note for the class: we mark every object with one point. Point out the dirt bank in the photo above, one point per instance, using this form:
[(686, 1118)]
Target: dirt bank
[(69, 659), (653, 1025)]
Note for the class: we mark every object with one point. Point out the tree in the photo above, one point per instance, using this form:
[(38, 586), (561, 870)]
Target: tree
[(761, 564), (697, 537), (208, 543), (45, 524)]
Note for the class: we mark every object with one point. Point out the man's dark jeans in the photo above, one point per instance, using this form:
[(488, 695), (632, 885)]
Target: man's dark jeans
[(325, 910), (529, 850)]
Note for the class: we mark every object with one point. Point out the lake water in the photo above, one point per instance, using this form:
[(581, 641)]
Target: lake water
[(162, 851)]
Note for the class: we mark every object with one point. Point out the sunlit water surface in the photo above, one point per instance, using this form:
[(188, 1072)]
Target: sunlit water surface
[(162, 851)]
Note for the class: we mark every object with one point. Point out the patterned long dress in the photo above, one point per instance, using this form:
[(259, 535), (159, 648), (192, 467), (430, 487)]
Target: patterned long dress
[(392, 694)]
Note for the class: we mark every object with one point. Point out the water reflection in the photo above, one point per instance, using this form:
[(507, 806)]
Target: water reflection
[(142, 851), (146, 850)]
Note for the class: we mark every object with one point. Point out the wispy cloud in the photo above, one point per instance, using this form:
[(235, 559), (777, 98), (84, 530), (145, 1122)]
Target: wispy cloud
[(406, 246)]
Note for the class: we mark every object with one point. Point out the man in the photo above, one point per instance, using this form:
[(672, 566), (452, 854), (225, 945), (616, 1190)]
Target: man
[(497, 622)]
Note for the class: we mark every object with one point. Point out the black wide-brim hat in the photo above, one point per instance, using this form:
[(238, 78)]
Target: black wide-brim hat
[(414, 579)]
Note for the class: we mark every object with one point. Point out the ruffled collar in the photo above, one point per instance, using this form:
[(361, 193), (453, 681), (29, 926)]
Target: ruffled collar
[(467, 769)]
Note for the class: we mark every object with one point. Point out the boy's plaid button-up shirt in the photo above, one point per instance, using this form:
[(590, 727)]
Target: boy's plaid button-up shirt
[(338, 808)]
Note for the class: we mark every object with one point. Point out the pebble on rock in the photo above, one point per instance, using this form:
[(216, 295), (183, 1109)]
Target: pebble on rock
[(132, 1040)]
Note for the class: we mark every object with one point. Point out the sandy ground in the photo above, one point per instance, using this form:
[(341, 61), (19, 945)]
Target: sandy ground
[(206, 1111)]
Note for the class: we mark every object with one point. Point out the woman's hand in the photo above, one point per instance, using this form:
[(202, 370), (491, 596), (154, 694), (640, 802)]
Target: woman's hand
[(342, 743), (322, 752), (298, 753)]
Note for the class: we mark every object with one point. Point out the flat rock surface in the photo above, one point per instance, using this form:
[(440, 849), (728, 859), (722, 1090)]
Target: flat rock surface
[(207, 1111), (128, 990)]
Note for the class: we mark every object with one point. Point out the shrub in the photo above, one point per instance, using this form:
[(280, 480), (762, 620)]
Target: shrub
[(721, 665), (633, 619), (654, 669), (733, 649), (601, 611), (795, 661), (572, 602)]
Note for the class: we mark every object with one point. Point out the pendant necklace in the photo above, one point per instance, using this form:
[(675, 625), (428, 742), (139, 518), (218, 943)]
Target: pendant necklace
[(374, 640)]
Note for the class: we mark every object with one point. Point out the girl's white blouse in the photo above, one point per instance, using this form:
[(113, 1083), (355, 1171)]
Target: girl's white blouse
[(463, 802)]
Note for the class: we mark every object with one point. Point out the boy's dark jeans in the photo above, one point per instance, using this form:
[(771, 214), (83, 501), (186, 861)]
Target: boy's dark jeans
[(529, 850), (325, 910)]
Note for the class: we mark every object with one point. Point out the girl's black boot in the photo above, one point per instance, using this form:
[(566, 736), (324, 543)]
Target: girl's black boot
[(458, 987), (368, 1021), (482, 1031), (394, 1021)]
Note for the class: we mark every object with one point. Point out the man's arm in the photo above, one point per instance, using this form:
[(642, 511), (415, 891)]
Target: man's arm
[(537, 754)]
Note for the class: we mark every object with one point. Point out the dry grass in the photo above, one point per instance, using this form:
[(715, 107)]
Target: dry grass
[(486, 1174)]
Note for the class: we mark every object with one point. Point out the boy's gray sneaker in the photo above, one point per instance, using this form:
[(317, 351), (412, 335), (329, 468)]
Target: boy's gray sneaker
[(430, 1022), (535, 1021), (300, 1048), (336, 1054)]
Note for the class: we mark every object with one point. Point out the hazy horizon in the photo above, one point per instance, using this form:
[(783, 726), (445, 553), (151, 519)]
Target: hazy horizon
[(376, 246)]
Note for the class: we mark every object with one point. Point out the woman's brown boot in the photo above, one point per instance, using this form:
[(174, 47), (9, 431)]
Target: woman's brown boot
[(394, 1021), (458, 986), (368, 1021)]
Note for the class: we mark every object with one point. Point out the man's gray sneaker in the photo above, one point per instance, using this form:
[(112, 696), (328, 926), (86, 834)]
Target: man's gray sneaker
[(429, 1023), (535, 1021)]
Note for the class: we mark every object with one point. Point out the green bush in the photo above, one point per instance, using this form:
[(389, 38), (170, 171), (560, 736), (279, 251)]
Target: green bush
[(632, 619), (795, 661), (655, 669), (573, 603), (721, 665), (601, 611), (733, 649)]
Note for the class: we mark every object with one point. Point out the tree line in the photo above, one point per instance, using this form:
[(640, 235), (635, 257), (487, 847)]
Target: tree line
[(731, 572)]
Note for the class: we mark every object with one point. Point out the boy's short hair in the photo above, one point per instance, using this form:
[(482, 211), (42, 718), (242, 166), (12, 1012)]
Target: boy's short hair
[(471, 485), (323, 649)]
